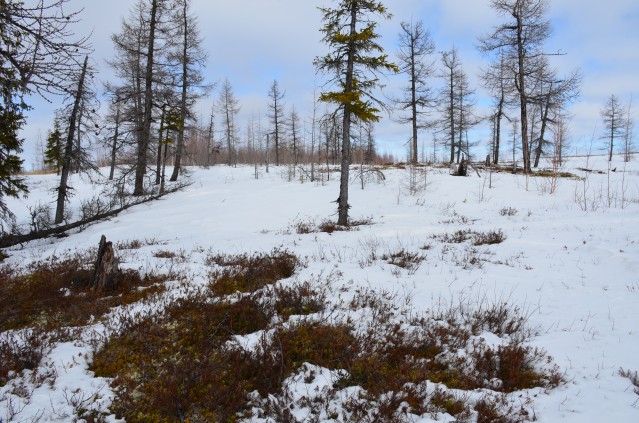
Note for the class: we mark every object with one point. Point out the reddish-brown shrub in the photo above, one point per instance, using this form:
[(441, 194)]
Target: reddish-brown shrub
[(55, 293), (246, 273)]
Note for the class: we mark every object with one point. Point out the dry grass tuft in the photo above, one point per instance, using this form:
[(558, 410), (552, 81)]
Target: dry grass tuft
[(477, 238), (405, 260), (488, 238), (633, 377)]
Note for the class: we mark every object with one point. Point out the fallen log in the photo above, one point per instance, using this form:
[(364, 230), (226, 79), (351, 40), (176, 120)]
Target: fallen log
[(15, 239)]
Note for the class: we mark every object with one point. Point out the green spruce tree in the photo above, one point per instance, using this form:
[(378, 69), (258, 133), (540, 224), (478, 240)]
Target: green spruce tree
[(53, 154), (11, 120), (354, 61)]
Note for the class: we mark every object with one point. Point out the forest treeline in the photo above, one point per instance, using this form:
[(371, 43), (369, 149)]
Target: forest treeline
[(144, 121)]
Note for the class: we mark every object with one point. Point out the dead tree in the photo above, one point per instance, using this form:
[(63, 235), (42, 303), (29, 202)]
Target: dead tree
[(106, 269), (68, 151)]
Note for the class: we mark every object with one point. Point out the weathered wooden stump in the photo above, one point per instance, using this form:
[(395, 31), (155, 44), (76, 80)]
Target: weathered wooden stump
[(106, 266), (463, 168), (459, 169)]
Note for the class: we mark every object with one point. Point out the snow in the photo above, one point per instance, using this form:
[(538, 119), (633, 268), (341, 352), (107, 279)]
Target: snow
[(570, 260)]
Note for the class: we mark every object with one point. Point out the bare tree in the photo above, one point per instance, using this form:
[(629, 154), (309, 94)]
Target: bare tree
[(87, 120), (113, 141), (449, 98), (191, 58), (614, 119), (136, 47), (370, 153), (148, 79), (211, 147), (549, 97), (276, 115), (521, 39), (415, 45), (466, 113), (145, 130), (68, 150), (294, 122), (39, 50), (497, 80), (228, 107), (560, 134), (629, 133), (314, 134), (129, 67), (39, 53)]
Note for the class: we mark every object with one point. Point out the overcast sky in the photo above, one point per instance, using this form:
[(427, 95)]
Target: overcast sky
[(253, 42)]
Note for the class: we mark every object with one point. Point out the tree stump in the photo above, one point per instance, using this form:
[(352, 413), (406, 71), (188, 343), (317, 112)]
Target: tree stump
[(106, 267), (459, 169)]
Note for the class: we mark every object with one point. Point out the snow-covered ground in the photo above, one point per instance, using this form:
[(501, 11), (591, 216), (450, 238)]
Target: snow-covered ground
[(570, 259)]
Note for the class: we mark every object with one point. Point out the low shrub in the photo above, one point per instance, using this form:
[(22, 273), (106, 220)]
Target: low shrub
[(488, 238), (497, 409), (246, 273), (20, 351), (507, 211), (498, 318), (478, 238), (194, 362), (304, 228), (299, 299), (446, 402), (405, 259), (136, 244), (511, 367), (330, 227), (165, 254), (179, 366), (457, 237), (51, 295), (633, 377), (54, 293)]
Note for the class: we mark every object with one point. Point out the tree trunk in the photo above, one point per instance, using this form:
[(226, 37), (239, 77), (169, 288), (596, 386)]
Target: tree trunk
[(78, 138), (413, 92), (542, 131), (613, 127), (185, 74), (452, 116), (143, 141), (106, 267), (66, 165), (114, 146), (342, 200), (209, 141), (158, 164), (523, 98), (164, 157), (500, 113)]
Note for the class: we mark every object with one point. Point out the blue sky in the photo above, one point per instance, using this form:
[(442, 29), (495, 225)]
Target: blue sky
[(253, 42)]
